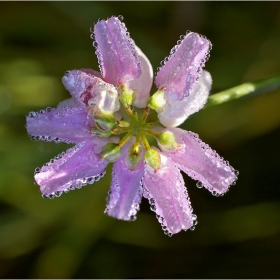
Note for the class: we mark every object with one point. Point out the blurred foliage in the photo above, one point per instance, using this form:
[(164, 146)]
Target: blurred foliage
[(70, 237)]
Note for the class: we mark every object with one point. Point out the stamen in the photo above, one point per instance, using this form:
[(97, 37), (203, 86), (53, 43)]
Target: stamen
[(145, 115), (145, 141), (125, 139)]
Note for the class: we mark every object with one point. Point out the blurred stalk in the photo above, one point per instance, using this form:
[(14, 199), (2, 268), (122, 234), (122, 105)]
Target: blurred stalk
[(245, 90)]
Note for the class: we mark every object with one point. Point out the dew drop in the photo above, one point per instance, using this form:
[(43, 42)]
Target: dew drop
[(195, 222), (199, 185), (51, 196), (194, 217), (57, 193), (152, 201), (67, 72), (45, 196), (97, 178), (37, 170), (153, 208), (120, 17), (90, 180), (56, 140), (95, 44), (91, 29), (236, 172), (133, 218), (92, 36), (192, 228), (32, 114)]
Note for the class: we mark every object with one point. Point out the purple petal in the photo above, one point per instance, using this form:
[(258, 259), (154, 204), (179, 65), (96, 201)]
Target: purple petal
[(201, 163), (77, 167), (179, 74), (168, 196), (79, 82), (62, 125), (116, 52), (143, 84), (175, 112), (126, 191)]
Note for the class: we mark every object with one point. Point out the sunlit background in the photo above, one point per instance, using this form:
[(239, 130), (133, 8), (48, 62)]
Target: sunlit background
[(237, 235)]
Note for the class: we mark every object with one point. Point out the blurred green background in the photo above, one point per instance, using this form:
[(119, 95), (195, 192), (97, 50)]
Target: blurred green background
[(237, 235)]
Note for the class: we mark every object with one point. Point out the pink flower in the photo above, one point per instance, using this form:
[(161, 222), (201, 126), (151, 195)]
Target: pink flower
[(104, 121)]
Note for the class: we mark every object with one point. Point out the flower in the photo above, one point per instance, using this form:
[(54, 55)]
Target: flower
[(111, 117)]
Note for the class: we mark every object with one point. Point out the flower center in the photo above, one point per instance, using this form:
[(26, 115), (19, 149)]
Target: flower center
[(134, 124)]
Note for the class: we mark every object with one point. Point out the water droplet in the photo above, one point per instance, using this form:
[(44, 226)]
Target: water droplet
[(45, 196), (67, 72), (133, 218), (92, 36), (42, 111), (120, 17), (215, 193), (194, 217), (199, 185), (192, 228), (95, 44), (153, 208), (152, 201), (32, 114), (37, 170), (56, 140), (57, 193), (236, 172), (37, 138), (168, 233), (51, 196), (72, 188), (182, 37), (91, 29), (90, 180), (195, 222)]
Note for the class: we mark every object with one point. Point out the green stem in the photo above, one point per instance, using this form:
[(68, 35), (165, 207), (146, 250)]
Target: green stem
[(245, 90)]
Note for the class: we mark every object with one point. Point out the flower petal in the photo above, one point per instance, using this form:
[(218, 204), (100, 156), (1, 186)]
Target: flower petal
[(168, 196), (126, 191), (77, 82), (201, 163), (69, 102), (176, 112), (65, 124), (143, 84), (179, 74), (116, 52), (77, 167)]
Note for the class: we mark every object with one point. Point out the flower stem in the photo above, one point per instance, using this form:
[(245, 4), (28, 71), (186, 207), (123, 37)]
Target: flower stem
[(245, 90)]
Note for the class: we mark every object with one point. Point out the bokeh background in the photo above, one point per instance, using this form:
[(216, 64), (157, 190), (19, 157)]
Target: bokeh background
[(237, 235)]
